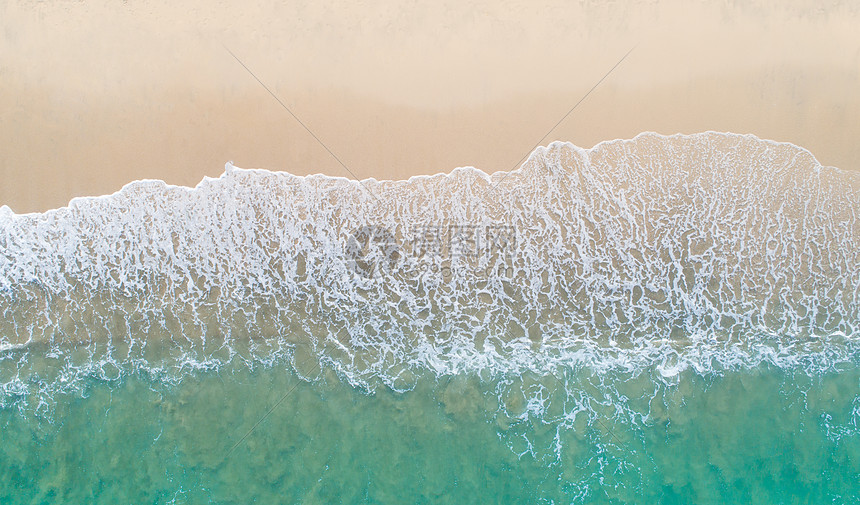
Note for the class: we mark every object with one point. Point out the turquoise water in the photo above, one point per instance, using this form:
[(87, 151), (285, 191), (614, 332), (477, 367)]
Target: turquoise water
[(655, 320), (764, 435)]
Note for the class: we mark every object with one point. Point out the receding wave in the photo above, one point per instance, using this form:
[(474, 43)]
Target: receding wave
[(653, 255)]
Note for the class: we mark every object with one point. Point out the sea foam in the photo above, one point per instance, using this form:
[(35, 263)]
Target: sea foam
[(705, 252)]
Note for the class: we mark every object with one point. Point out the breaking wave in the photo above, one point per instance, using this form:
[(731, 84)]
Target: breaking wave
[(655, 255)]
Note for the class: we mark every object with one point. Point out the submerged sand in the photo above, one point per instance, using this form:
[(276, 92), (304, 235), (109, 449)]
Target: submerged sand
[(95, 96)]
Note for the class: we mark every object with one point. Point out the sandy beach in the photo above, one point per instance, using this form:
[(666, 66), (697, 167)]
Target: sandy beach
[(95, 96)]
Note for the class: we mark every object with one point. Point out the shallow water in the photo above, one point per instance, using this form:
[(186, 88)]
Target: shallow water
[(659, 320), (765, 435)]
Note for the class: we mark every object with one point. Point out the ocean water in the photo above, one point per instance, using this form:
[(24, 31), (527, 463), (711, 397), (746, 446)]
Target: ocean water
[(656, 320)]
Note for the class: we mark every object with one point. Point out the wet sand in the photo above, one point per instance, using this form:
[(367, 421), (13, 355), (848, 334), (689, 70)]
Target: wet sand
[(93, 97)]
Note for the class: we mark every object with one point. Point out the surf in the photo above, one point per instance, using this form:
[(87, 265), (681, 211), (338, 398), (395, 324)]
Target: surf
[(703, 252)]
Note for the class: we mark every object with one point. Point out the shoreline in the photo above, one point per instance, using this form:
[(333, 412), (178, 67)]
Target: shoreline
[(90, 100), (415, 178), (111, 147)]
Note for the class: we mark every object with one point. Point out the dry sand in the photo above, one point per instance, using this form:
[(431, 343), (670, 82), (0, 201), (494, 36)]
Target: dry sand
[(95, 96)]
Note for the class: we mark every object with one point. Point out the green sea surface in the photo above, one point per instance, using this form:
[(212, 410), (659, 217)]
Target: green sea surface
[(264, 435)]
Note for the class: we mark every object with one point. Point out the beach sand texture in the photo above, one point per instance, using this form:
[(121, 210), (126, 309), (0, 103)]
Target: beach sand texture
[(93, 96)]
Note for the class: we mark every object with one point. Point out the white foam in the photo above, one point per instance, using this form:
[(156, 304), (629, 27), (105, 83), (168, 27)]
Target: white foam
[(687, 252)]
